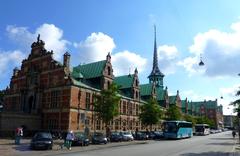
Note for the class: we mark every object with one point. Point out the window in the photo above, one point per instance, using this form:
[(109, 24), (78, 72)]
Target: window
[(136, 82), (116, 125), (52, 124), (108, 84), (136, 95), (130, 108), (98, 123), (137, 109), (87, 101), (124, 108), (87, 121), (55, 100), (109, 70)]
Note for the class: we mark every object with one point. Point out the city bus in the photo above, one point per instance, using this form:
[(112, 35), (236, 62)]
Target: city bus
[(202, 129), (177, 129)]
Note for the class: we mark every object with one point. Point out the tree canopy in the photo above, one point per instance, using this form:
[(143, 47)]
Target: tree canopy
[(205, 120), (173, 113), (106, 104), (151, 113)]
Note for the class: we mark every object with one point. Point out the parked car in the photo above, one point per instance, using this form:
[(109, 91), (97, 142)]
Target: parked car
[(126, 136), (212, 131), (42, 140), (80, 139), (99, 138), (140, 136), (116, 137), (155, 135)]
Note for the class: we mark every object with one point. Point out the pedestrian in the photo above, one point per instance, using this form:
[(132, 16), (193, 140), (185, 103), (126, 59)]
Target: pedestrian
[(69, 139), (18, 135), (233, 134)]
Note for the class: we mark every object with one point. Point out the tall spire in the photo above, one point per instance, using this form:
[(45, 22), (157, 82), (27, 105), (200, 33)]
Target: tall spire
[(155, 57), (156, 76)]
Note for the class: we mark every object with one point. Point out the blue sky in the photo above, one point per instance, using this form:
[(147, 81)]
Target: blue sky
[(91, 29)]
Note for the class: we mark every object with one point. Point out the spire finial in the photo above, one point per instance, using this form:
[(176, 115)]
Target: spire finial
[(38, 38)]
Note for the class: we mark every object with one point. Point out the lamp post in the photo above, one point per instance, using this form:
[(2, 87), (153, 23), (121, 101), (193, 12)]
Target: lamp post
[(201, 62)]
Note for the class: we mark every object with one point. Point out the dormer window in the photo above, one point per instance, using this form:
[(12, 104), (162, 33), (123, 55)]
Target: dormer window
[(136, 82), (109, 70)]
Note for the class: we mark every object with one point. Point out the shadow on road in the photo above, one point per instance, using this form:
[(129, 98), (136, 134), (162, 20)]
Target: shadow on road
[(207, 154), (222, 138), (22, 147), (222, 143)]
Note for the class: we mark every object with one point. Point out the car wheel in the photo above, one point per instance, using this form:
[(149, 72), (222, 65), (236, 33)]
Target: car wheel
[(50, 147)]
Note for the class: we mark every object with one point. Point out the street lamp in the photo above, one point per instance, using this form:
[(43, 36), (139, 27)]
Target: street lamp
[(201, 62)]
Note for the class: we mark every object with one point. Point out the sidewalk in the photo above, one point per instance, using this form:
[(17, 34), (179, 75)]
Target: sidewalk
[(236, 148), (8, 148)]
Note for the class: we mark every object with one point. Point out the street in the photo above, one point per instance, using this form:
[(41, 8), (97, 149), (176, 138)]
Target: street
[(220, 144)]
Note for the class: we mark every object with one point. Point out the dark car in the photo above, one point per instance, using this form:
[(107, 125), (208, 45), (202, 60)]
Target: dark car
[(42, 140), (156, 135), (80, 139), (116, 137), (99, 138), (140, 136)]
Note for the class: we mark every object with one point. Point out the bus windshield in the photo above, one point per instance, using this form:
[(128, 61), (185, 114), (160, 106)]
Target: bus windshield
[(170, 127), (199, 128)]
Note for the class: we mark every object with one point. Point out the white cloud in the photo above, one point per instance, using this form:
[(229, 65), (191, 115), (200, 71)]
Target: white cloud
[(168, 57), (52, 35), (95, 47), (220, 52), (98, 45), (125, 60), (9, 60), (230, 91)]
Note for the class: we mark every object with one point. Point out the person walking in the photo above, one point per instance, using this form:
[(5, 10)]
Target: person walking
[(69, 139), (18, 135), (233, 133)]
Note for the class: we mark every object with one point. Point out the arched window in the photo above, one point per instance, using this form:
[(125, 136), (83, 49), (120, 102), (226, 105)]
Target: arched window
[(109, 70)]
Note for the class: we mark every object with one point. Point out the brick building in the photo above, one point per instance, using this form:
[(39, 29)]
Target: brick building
[(49, 95), (209, 109)]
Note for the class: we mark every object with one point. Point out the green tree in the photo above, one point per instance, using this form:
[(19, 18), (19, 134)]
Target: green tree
[(205, 120), (151, 113), (106, 104), (173, 113), (190, 118), (236, 104)]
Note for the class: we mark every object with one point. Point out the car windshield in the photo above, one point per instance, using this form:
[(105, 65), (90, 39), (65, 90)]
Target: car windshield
[(126, 133), (98, 134), (79, 134), (43, 135), (115, 133)]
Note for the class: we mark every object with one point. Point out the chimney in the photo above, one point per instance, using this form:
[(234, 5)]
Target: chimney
[(66, 60)]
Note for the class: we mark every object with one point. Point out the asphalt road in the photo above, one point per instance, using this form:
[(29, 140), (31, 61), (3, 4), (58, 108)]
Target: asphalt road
[(220, 144)]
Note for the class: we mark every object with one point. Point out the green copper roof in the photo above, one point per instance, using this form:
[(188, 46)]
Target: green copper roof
[(184, 103), (91, 70), (80, 84), (125, 81), (160, 93), (146, 89), (172, 99)]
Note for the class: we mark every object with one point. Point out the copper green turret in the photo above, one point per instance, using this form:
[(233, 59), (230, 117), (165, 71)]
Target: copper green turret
[(156, 76)]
